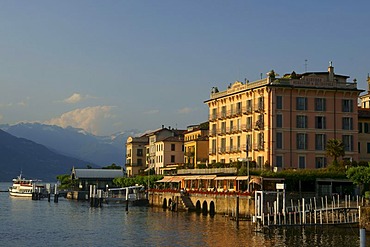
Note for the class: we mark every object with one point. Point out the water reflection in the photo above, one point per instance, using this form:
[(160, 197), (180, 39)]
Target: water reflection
[(71, 223)]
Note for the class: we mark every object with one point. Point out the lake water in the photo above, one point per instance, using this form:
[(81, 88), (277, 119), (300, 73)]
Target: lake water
[(24, 222)]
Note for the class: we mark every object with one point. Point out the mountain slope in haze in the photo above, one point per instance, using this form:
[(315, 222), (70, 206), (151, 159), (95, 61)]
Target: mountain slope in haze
[(33, 160), (73, 142)]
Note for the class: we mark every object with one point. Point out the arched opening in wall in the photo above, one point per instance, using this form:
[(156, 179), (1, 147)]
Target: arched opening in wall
[(212, 210), (164, 205), (198, 208), (205, 207)]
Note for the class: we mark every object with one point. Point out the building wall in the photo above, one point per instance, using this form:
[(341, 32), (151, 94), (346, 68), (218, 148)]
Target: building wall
[(135, 155), (247, 115)]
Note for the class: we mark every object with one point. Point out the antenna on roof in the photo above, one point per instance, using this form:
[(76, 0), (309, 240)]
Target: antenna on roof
[(305, 65)]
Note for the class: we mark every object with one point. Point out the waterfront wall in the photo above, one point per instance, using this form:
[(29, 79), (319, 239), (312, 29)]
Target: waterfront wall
[(219, 203)]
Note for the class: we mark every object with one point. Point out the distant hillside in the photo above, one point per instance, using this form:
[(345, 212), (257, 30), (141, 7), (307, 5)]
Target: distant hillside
[(34, 160), (100, 150)]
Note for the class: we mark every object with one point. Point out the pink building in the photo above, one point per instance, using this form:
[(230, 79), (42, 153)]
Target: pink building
[(284, 122)]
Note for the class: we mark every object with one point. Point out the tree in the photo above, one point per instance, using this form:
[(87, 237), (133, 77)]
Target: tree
[(335, 149), (113, 167), (359, 175)]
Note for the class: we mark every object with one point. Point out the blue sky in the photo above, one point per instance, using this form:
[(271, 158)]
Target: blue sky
[(110, 66)]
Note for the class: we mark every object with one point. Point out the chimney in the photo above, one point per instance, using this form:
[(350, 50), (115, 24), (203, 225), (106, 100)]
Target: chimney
[(331, 71)]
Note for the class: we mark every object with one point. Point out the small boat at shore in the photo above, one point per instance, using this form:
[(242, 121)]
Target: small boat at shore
[(134, 195), (24, 187)]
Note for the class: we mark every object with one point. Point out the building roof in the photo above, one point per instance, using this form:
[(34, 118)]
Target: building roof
[(97, 173)]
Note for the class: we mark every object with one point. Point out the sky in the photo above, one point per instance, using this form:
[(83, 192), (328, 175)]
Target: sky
[(111, 66)]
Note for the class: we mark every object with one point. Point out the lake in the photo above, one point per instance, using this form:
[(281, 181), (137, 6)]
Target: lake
[(24, 222)]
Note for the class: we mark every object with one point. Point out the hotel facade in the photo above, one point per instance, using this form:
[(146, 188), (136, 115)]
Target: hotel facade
[(283, 123)]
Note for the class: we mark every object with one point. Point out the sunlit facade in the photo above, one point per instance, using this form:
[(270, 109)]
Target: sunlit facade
[(284, 122)]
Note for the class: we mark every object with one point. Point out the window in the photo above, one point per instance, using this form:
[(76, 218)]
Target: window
[(249, 123), (347, 105), (320, 122), (301, 141), (139, 152), (238, 125), (302, 162), (249, 143), (260, 161), (214, 114), (279, 161), (172, 158), (261, 141), (348, 142), (368, 147), (320, 104), (213, 130), (301, 103), (359, 127), (213, 151), (223, 145), (347, 123), (139, 162), (320, 141), (239, 108), (366, 127), (231, 126), (223, 127), (279, 102), (279, 140), (249, 105), (231, 144), (320, 162), (238, 143), (172, 147), (301, 121), (279, 121), (223, 111), (260, 104)]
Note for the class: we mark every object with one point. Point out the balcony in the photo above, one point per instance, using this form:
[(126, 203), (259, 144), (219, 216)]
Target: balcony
[(258, 146), (212, 117), (212, 151), (259, 108), (222, 150), (258, 125)]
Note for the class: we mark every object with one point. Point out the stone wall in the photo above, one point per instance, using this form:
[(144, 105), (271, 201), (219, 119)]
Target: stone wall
[(222, 203)]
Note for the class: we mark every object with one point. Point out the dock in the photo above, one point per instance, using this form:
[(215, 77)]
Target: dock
[(306, 212)]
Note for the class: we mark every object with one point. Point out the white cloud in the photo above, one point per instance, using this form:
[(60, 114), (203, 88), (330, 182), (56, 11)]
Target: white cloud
[(73, 99), (185, 110), (150, 112), (89, 119)]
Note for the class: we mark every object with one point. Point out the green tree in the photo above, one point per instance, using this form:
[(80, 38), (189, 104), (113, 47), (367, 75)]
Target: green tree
[(113, 167), (359, 175), (335, 149)]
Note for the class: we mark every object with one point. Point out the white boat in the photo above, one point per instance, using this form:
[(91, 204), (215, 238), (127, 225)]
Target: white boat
[(24, 187), (134, 195)]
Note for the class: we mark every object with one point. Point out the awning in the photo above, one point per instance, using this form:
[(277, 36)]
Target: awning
[(242, 178), (165, 179), (226, 178), (207, 177), (191, 177), (256, 180), (176, 179)]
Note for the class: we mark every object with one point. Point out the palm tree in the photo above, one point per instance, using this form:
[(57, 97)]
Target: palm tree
[(335, 149)]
